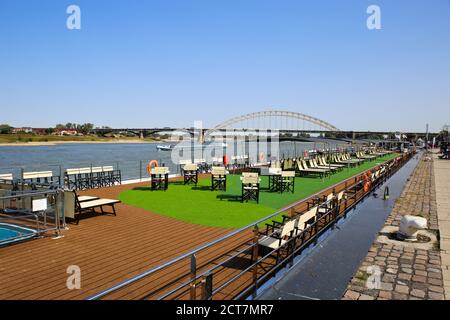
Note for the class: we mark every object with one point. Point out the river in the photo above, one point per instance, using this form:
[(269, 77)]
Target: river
[(131, 158)]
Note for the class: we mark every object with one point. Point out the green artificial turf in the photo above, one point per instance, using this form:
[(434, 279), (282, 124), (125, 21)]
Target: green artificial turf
[(200, 205)]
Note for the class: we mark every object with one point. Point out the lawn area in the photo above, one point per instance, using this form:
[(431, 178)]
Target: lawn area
[(200, 205)]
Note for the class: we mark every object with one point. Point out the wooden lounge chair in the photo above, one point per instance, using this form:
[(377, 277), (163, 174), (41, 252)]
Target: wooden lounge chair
[(74, 206), (304, 168), (86, 198), (361, 155), (313, 164), (302, 171), (323, 162), (339, 159)]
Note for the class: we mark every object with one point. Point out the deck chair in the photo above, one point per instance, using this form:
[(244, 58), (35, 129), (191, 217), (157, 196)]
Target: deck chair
[(159, 178), (84, 178), (313, 164), (218, 178), (306, 219), (250, 186), (324, 172), (275, 164), (339, 159), (96, 177), (326, 205), (323, 162), (302, 171), (287, 183), (190, 173), (276, 239), (75, 205), (361, 155)]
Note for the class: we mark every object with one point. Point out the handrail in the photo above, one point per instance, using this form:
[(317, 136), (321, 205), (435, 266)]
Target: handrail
[(210, 244), (26, 214), (30, 193)]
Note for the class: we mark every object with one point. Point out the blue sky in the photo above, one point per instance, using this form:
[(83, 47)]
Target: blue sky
[(170, 62)]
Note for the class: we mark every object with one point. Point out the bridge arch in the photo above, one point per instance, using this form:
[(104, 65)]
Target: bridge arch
[(274, 113)]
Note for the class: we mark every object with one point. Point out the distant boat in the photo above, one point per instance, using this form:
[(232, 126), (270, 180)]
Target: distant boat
[(168, 147)]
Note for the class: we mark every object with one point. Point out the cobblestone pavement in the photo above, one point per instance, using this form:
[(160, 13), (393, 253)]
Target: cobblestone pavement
[(397, 271)]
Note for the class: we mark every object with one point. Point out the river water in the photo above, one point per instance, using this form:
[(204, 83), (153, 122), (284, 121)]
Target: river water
[(131, 158)]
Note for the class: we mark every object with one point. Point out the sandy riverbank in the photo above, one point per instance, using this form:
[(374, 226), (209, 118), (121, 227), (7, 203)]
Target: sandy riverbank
[(54, 143)]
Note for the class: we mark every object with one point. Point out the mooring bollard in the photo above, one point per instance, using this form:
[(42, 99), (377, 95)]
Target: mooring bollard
[(386, 193)]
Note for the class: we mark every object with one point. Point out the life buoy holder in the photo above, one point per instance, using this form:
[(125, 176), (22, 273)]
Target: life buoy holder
[(150, 166)]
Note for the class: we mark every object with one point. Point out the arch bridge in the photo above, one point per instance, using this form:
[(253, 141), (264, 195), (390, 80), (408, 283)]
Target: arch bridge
[(285, 123)]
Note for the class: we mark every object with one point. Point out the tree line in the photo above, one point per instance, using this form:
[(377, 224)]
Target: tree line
[(84, 128)]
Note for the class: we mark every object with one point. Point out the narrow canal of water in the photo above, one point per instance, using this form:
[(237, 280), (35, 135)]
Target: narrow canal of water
[(323, 271)]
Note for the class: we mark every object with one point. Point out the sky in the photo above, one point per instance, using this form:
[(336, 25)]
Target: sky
[(158, 63)]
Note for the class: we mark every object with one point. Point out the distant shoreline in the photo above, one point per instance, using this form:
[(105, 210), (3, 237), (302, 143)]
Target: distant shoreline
[(54, 143)]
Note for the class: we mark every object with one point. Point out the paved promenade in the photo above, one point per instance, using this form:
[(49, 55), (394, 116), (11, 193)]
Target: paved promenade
[(442, 179), (402, 270)]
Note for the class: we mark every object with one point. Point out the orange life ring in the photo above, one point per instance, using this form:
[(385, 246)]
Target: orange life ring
[(226, 160), (149, 166), (262, 156), (367, 181)]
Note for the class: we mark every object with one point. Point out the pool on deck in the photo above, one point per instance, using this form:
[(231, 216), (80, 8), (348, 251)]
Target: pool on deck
[(10, 233)]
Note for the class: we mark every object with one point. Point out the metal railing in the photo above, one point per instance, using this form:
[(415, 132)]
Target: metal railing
[(204, 279), (19, 211)]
